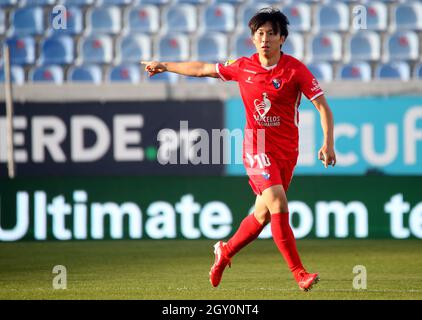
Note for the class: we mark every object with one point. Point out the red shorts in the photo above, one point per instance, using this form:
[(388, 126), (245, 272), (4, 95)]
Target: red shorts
[(264, 171)]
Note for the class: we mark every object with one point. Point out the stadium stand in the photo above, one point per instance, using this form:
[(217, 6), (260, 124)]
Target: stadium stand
[(323, 34), (95, 49), (408, 16), (210, 47), (418, 71), (377, 16), (57, 50), (124, 73), (323, 71), (22, 50), (365, 45), (133, 48), (393, 70), (299, 15), (17, 74), (242, 45), (164, 77), (325, 47), (103, 20), (355, 71), (50, 73), (143, 19), (27, 21), (179, 18), (332, 17), (7, 3), (219, 17), (85, 73), (173, 47), (402, 45), (74, 22), (294, 45)]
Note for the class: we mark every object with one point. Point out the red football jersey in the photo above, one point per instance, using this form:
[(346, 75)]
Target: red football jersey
[(271, 97)]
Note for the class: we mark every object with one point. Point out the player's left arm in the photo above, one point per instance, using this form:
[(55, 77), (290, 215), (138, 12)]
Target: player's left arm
[(326, 154)]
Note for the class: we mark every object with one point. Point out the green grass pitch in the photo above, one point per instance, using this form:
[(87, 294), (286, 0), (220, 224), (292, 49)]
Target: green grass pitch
[(156, 270)]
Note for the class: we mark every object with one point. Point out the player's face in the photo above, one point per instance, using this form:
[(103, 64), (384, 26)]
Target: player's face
[(266, 41)]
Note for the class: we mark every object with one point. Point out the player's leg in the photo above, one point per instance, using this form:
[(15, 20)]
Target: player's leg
[(248, 231), (276, 201)]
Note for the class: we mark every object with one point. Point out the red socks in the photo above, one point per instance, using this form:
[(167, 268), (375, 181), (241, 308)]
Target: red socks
[(248, 231), (285, 241)]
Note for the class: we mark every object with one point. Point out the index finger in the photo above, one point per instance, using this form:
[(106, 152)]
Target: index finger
[(145, 62), (325, 160)]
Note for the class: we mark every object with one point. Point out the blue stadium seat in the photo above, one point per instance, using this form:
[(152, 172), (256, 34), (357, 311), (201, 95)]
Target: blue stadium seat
[(363, 46), (124, 73), (74, 22), (145, 19), (173, 47), (355, 71), (26, 3), (85, 73), (323, 71), (294, 45), (230, 1), (376, 17), (22, 50), (179, 18), (393, 70), (325, 47), (408, 16), (103, 20), (164, 77), (418, 71), (95, 49), (245, 13), (50, 73), (114, 2), (191, 1), (79, 3), (299, 15), (157, 2), (210, 47), (2, 22), (17, 75), (402, 45), (27, 21), (8, 3), (57, 50), (133, 48), (242, 45), (198, 79), (219, 17), (332, 17)]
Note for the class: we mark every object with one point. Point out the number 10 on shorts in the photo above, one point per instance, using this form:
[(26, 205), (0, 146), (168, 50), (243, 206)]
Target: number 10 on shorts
[(261, 159)]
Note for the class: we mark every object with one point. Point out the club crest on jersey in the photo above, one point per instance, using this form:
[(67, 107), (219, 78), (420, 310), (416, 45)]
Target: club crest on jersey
[(266, 175), (276, 83)]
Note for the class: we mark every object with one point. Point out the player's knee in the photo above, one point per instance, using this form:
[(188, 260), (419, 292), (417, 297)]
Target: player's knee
[(263, 217), (278, 206)]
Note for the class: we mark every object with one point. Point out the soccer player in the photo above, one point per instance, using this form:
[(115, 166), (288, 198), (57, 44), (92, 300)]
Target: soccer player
[(271, 84)]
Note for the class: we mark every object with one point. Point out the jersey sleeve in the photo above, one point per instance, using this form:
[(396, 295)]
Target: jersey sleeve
[(229, 70), (308, 84)]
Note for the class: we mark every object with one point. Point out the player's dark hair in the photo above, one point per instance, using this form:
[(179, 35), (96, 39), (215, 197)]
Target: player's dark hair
[(274, 16)]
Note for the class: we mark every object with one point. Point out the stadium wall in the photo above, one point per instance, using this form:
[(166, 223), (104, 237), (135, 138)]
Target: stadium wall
[(154, 207), (68, 190)]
